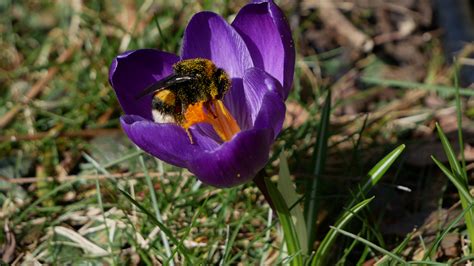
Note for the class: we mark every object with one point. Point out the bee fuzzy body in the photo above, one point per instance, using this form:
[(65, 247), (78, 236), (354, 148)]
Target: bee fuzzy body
[(192, 81)]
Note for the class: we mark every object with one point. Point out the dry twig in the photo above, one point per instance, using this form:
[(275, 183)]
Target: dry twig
[(333, 18)]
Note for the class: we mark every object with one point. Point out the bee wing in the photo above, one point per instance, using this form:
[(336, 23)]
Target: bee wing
[(163, 84)]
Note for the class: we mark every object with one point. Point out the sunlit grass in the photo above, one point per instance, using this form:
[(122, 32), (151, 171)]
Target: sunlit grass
[(138, 210)]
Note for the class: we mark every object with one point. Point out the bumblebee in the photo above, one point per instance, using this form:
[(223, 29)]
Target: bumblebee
[(192, 81)]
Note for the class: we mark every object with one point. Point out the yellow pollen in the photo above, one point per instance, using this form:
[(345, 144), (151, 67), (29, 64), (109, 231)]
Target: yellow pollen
[(215, 113)]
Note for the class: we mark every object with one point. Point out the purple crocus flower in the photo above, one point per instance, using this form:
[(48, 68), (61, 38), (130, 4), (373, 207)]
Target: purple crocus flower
[(256, 51)]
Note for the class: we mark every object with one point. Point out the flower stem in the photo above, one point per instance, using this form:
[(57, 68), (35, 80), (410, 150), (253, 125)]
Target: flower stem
[(259, 180)]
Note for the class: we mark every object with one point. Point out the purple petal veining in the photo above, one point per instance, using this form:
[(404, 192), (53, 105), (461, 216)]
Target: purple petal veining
[(209, 36), (258, 54), (133, 71), (272, 49), (234, 162)]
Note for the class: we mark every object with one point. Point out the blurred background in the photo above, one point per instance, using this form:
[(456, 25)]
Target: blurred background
[(391, 68)]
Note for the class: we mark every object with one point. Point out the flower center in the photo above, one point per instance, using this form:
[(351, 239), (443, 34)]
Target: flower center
[(215, 113)]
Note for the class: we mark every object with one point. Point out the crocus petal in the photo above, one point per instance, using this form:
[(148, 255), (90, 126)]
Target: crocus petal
[(267, 34), (264, 101), (234, 162), (133, 71), (209, 36), (271, 114), (168, 142), (258, 54), (235, 101), (206, 129)]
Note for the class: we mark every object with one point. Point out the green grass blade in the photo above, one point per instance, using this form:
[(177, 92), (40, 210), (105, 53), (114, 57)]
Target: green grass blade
[(288, 192), (463, 191), (363, 257), (46, 196), (376, 173), (187, 232), (427, 263), (461, 260), (320, 150), (459, 121), (96, 165), (396, 250), (446, 231), (465, 196), (347, 252), (458, 172), (289, 230), (415, 85), (370, 244), (168, 233), (123, 159), (373, 177), (230, 242), (469, 215), (107, 231), (448, 150), (321, 254), (154, 202)]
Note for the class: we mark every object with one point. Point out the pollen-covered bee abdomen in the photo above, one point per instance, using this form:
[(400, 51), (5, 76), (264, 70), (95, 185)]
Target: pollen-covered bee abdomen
[(165, 101)]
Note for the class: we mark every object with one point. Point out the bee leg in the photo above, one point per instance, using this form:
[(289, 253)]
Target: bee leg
[(189, 135), (180, 119), (182, 122), (208, 105)]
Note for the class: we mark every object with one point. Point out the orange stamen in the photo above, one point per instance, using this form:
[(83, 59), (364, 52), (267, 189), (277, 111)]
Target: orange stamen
[(218, 116)]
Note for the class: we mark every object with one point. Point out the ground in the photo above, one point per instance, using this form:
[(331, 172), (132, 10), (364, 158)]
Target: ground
[(390, 70)]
